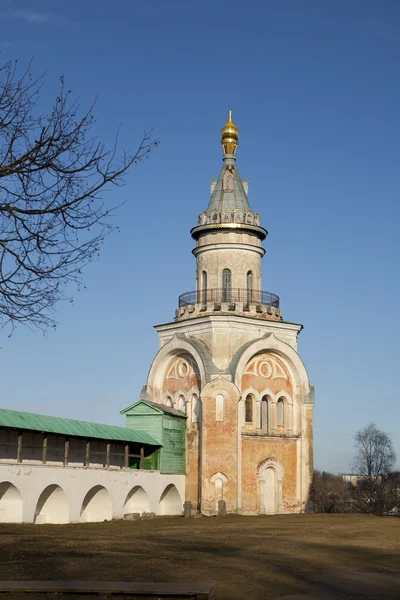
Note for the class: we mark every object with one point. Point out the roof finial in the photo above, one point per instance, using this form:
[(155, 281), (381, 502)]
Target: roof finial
[(229, 136)]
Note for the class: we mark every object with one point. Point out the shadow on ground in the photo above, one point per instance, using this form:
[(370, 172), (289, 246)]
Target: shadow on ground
[(323, 556)]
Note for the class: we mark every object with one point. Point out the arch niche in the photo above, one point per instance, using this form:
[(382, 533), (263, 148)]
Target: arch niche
[(10, 503), (270, 481), (137, 501), (96, 506), (170, 502), (52, 506)]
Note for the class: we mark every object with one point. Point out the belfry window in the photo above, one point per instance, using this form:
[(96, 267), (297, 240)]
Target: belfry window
[(280, 412), (248, 404), (204, 287), (226, 285), (249, 285)]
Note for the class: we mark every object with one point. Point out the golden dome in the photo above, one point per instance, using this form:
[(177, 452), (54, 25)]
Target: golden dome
[(229, 136)]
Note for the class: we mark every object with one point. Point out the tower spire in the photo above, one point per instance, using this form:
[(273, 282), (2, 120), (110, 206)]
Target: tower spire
[(229, 136)]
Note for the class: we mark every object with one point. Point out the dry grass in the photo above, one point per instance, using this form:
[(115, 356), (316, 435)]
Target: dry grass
[(246, 557)]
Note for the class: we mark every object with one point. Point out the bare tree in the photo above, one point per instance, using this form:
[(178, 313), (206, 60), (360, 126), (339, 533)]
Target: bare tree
[(374, 462), (52, 173)]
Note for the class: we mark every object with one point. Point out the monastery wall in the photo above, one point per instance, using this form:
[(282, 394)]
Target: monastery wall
[(51, 494)]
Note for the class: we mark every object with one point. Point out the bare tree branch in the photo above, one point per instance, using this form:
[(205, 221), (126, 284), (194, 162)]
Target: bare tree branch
[(52, 173)]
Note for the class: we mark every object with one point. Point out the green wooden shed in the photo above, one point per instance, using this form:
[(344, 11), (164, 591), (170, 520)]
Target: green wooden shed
[(167, 426)]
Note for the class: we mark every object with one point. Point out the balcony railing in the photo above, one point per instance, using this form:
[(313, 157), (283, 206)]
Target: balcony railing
[(216, 295)]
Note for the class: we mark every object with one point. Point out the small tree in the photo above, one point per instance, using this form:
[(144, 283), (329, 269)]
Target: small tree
[(52, 219), (374, 462)]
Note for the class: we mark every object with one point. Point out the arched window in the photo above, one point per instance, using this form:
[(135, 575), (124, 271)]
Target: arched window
[(264, 424), (182, 404), (204, 287), (248, 404), (280, 412), (226, 285), (249, 285), (168, 401)]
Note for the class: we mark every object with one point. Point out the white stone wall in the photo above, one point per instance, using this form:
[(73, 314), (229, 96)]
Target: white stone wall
[(54, 494)]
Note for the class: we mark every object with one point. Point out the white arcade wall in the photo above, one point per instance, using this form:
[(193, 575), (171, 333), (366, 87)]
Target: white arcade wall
[(46, 494)]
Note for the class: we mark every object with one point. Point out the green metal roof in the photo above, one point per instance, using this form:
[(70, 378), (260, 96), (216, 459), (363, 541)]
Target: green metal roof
[(85, 429), (161, 408)]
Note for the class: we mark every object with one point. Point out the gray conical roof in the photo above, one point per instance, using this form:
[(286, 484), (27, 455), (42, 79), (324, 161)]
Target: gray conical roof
[(232, 195)]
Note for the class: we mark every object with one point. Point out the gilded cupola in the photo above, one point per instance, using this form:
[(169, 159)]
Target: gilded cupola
[(229, 136)]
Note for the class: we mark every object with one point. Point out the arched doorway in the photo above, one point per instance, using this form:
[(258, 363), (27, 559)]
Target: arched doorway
[(10, 503), (96, 506), (270, 480), (170, 502), (136, 501), (52, 506)]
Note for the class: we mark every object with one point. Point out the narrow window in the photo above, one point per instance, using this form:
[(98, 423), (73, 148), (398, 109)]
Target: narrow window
[(226, 285), (264, 414), (195, 408), (204, 287), (182, 404), (249, 409), (280, 412), (219, 407), (169, 401), (249, 284)]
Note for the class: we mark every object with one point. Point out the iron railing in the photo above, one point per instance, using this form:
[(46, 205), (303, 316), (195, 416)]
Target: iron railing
[(216, 295)]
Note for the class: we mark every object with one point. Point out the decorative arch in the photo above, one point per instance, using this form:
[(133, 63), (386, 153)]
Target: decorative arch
[(177, 345), (96, 505), (170, 502), (271, 344), (10, 503), (227, 216), (137, 501), (52, 506), (270, 481)]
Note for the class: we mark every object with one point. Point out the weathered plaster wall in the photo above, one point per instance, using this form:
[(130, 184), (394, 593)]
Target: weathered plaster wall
[(254, 452), (219, 444)]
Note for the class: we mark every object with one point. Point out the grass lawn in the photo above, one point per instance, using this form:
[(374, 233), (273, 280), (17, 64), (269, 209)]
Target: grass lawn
[(246, 557)]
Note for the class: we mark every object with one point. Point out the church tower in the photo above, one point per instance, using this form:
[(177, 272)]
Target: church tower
[(229, 362)]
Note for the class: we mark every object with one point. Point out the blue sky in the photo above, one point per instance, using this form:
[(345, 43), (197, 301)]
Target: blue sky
[(315, 90)]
